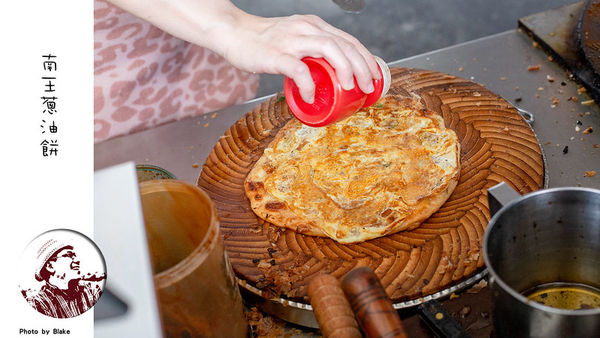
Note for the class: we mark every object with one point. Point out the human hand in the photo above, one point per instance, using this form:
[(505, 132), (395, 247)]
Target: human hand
[(277, 45), (263, 45)]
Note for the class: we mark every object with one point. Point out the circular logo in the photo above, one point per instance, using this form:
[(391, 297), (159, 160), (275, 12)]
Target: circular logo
[(62, 273)]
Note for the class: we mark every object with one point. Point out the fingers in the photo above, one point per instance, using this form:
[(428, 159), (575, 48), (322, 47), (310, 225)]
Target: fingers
[(358, 67), (343, 57), (280, 44), (332, 51), (298, 71), (364, 52), (344, 52)]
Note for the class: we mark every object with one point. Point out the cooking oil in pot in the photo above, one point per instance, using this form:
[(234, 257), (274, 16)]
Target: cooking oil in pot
[(568, 296)]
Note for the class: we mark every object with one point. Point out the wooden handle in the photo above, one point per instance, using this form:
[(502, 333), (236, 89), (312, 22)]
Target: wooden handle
[(331, 308), (372, 307)]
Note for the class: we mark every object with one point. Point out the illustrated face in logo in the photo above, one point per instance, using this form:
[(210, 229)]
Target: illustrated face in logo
[(64, 265), (51, 278)]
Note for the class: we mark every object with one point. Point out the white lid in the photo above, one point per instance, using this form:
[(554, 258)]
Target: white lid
[(387, 75)]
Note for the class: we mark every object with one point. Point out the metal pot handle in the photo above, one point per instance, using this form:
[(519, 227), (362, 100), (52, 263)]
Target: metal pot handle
[(500, 195)]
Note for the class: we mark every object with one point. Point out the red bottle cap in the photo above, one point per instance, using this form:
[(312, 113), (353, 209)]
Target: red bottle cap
[(332, 103)]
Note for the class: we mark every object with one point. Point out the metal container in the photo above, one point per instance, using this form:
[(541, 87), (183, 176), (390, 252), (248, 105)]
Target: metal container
[(147, 172), (548, 236)]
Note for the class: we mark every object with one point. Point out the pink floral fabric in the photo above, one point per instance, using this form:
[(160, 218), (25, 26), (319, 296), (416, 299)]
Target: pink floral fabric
[(144, 77)]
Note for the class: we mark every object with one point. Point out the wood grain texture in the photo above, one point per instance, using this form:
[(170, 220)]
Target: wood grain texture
[(331, 308), (373, 309), (496, 145)]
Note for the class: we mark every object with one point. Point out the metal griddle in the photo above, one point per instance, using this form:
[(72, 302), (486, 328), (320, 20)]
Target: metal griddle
[(589, 36), (571, 34)]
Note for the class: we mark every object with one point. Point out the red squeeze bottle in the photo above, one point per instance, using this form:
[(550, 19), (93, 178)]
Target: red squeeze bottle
[(332, 103)]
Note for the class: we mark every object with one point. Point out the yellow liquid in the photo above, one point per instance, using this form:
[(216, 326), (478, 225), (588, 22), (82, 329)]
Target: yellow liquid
[(568, 296)]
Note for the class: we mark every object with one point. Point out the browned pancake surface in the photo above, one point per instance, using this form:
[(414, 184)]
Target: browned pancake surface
[(382, 170)]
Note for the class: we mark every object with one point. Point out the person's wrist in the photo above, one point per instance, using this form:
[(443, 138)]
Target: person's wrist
[(240, 33)]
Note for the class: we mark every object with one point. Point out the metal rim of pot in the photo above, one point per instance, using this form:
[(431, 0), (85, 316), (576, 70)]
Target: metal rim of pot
[(494, 275), (398, 305)]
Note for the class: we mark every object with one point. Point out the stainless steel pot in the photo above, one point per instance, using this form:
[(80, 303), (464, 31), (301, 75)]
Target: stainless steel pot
[(548, 236)]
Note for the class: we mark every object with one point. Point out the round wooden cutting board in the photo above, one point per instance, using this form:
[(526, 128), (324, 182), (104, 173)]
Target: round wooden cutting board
[(496, 145)]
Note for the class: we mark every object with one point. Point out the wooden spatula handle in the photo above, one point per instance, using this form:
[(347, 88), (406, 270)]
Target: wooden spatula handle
[(331, 308), (372, 307)]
